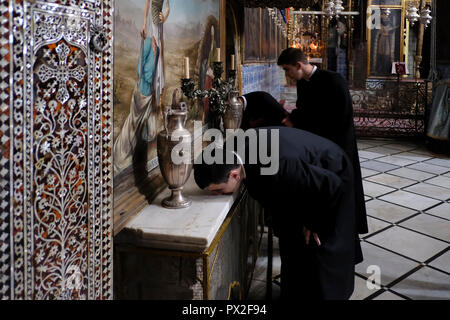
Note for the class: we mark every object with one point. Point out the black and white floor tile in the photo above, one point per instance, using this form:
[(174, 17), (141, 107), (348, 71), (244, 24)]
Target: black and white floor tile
[(407, 191)]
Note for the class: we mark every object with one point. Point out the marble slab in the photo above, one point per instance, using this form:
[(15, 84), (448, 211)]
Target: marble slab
[(424, 152), (411, 174), (425, 284), (430, 190), (370, 155), (431, 168), (396, 160), (391, 266), (188, 229), (442, 262), (383, 150), (442, 210), (410, 200), (375, 190), (378, 166), (400, 146), (362, 290), (413, 156), (388, 295), (387, 211), (408, 243), (439, 162), (375, 225), (391, 180), (432, 226), (440, 181), (368, 172), (364, 144)]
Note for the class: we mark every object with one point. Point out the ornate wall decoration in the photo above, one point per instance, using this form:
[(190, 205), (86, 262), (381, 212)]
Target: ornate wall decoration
[(56, 131), (280, 4), (5, 145)]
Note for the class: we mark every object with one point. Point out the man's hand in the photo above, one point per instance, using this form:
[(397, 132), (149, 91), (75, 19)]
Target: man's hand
[(287, 122), (307, 234)]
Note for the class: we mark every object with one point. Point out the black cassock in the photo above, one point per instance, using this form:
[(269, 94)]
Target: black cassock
[(313, 188), (324, 107)]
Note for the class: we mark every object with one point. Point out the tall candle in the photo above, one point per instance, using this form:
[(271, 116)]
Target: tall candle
[(186, 67), (218, 55), (232, 62)]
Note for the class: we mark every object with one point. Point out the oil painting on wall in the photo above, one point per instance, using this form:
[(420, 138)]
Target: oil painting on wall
[(151, 39)]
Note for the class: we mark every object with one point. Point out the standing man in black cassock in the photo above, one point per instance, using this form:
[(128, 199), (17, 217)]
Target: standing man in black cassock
[(324, 107), (311, 193)]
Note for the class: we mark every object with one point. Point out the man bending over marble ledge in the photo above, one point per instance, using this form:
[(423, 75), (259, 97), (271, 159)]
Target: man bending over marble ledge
[(310, 197)]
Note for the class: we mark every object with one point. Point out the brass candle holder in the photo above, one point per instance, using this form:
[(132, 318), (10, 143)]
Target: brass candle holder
[(217, 95)]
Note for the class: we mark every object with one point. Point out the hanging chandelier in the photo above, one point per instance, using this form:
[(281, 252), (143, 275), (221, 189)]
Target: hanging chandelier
[(329, 9), (280, 4), (278, 19), (338, 8), (332, 9)]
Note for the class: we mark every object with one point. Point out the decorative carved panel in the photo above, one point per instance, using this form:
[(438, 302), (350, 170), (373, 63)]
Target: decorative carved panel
[(280, 4), (56, 142)]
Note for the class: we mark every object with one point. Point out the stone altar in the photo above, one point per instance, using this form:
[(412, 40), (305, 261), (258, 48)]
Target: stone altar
[(206, 251)]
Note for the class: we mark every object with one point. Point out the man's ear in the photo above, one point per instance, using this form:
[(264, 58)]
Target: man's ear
[(235, 174), (299, 65)]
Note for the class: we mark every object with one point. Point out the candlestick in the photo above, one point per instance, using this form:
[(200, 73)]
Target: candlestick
[(218, 55), (232, 62), (186, 67), (217, 95)]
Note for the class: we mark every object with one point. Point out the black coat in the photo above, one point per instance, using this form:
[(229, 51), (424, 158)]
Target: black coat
[(324, 107), (313, 188), (262, 110)]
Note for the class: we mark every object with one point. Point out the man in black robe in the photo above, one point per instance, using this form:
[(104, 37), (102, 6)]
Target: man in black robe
[(311, 193), (324, 107)]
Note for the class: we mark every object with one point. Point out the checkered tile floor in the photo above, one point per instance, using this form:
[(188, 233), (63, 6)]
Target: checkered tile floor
[(406, 252)]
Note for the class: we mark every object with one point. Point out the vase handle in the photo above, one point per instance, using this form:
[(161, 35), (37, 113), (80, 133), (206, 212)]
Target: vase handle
[(183, 107)]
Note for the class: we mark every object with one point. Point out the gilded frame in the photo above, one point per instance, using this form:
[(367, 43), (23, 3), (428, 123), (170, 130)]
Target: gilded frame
[(403, 49)]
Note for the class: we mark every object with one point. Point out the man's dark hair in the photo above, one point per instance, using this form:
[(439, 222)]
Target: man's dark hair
[(292, 56), (262, 105), (206, 174)]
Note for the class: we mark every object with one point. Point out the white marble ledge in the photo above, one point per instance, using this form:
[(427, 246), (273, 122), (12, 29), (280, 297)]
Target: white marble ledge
[(189, 229)]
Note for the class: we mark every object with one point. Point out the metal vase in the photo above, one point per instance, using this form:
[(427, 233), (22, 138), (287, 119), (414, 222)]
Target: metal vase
[(175, 155), (233, 114)]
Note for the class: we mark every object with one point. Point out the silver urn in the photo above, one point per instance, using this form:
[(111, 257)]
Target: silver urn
[(233, 113), (175, 155)]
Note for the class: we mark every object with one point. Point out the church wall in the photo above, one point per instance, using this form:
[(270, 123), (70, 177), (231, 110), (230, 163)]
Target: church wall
[(262, 43), (263, 77)]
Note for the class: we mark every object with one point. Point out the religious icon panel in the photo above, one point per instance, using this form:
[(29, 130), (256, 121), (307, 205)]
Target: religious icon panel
[(384, 33)]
